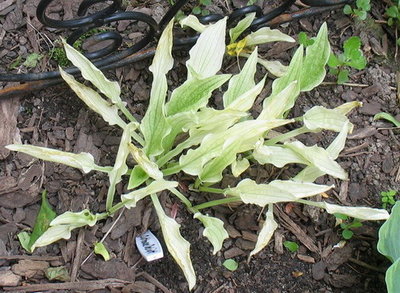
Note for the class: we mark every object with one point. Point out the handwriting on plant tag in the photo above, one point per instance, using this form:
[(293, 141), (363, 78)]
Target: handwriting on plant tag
[(149, 246)]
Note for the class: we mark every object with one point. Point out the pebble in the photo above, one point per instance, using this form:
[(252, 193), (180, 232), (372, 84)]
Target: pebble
[(318, 270), (8, 278)]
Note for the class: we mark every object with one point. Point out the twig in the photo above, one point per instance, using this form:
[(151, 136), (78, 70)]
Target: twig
[(78, 255), (31, 257), (347, 84), (367, 266), (105, 236)]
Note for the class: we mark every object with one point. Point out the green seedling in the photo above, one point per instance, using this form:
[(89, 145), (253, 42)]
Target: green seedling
[(360, 10), (388, 198), (389, 246), (393, 14), (181, 132), (291, 246), (200, 9), (388, 117), (99, 248), (304, 40), (347, 224), (231, 264), (352, 57), (31, 61), (42, 223)]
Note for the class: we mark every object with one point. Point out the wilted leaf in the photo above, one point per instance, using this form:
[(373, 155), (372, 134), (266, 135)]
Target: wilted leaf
[(94, 101), (266, 232), (319, 117), (57, 273), (144, 162), (193, 22), (83, 161), (176, 244), (239, 166), (90, 72), (267, 35), (214, 230)]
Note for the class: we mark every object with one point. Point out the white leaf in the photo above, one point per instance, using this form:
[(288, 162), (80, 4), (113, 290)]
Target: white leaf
[(242, 25), (362, 213), (77, 219), (193, 22), (130, 199), (207, 54), (276, 191), (319, 117), (266, 232), (83, 161), (267, 35), (214, 230), (109, 88), (94, 101), (239, 166), (176, 244), (277, 155), (143, 161)]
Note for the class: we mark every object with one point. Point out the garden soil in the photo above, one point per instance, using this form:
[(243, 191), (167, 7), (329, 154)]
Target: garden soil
[(56, 118)]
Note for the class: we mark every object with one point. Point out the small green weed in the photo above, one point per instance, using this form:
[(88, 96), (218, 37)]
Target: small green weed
[(360, 11), (305, 40), (352, 56), (388, 117), (200, 9), (231, 264), (347, 224), (388, 198), (291, 246)]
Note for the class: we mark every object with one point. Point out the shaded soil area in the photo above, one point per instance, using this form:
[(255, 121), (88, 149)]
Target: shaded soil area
[(55, 117)]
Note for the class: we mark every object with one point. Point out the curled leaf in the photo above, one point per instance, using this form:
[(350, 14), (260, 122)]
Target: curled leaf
[(214, 230)]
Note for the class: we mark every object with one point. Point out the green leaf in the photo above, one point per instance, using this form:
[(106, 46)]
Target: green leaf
[(333, 61), (154, 125), (242, 82), (24, 238), (57, 274), (317, 55), (230, 264), (176, 244), (43, 219), (388, 117), (130, 199), (120, 168), (32, 60), (275, 67), (196, 10), (392, 12), (276, 191), (347, 9), (94, 101), (99, 248), (206, 60), (83, 161), (268, 228), (343, 76), (214, 230), (347, 234), (109, 88), (194, 93), (291, 246), (392, 277), (138, 176), (389, 234), (242, 25)]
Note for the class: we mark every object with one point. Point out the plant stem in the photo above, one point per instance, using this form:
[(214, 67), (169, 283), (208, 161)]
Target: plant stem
[(176, 151), (211, 189), (171, 170), (103, 169), (127, 114), (217, 202), (286, 136), (183, 199)]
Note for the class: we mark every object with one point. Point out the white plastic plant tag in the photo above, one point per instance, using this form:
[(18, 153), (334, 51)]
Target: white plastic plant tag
[(149, 246)]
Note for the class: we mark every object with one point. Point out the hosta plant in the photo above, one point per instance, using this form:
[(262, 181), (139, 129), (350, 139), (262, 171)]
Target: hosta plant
[(215, 141)]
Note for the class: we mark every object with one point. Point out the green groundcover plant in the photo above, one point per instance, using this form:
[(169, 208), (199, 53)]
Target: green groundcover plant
[(212, 142), (389, 246)]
